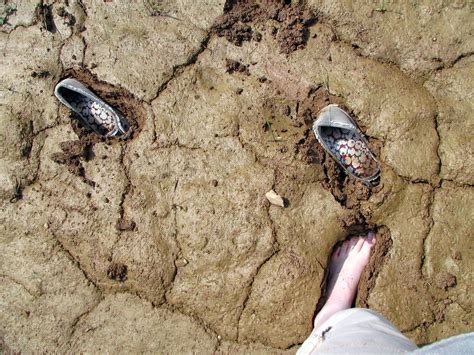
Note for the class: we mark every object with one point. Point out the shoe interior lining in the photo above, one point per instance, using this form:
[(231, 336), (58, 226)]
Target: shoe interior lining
[(93, 114), (350, 150)]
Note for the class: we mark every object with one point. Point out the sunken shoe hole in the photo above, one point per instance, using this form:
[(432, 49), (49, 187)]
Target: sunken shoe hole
[(350, 151), (93, 114)]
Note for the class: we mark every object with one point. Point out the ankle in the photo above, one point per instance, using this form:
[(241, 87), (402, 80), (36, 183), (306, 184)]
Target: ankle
[(344, 295), (327, 312), (338, 303)]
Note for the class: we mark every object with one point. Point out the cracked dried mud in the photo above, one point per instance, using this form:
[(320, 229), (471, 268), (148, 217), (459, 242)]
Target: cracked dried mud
[(163, 241)]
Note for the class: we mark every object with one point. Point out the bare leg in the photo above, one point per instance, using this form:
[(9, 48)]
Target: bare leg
[(345, 267)]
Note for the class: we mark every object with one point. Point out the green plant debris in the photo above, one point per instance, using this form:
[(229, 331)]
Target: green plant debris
[(6, 10)]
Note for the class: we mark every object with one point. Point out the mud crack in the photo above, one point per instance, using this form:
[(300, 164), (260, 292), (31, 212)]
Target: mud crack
[(179, 69), (74, 261), (275, 251), (81, 316), (30, 292), (124, 224)]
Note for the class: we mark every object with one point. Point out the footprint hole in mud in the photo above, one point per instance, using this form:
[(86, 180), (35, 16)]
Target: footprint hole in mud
[(379, 254), (75, 152), (118, 98), (347, 190)]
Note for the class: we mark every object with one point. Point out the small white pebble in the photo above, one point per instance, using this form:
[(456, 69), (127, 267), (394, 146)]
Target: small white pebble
[(181, 262), (274, 198)]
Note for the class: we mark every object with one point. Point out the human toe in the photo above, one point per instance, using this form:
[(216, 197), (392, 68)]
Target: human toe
[(359, 244), (353, 242), (346, 246), (367, 246), (371, 238)]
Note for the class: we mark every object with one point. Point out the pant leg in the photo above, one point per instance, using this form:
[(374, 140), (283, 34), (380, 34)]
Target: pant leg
[(460, 344), (356, 331)]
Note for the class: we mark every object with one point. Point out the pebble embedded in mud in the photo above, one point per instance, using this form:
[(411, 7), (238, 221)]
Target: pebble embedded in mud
[(181, 262), (275, 199), (445, 280)]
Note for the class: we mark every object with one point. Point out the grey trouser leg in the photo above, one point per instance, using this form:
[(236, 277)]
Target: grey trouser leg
[(460, 344), (356, 331)]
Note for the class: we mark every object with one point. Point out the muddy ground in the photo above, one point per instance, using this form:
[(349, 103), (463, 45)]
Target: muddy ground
[(163, 241)]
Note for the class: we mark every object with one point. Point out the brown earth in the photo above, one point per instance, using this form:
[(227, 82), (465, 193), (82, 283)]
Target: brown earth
[(164, 237)]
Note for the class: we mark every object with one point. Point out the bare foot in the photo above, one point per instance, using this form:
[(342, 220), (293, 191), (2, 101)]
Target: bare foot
[(345, 267)]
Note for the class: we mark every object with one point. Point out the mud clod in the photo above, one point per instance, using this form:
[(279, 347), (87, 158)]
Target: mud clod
[(286, 110), (73, 152), (125, 225), (40, 74), (234, 66), (44, 13), (238, 22), (294, 33), (445, 280), (68, 18), (117, 272)]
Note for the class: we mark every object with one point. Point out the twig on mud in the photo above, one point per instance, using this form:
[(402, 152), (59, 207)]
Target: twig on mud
[(326, 81), (383, 8), (17, 192), (267, 126)]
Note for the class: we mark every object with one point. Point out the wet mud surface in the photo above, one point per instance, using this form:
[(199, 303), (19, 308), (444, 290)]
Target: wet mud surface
[(240, 17), (164, 236)]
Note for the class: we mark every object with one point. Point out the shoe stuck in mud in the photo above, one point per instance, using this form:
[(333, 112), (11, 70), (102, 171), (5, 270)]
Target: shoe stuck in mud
[(94, 113), (339, 135)]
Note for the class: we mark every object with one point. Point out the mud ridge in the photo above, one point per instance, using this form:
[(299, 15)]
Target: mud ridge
[(249, 287), (179, 254), (376, 262), (455, 61), (77, 319), (172, 308), (440, 163)]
